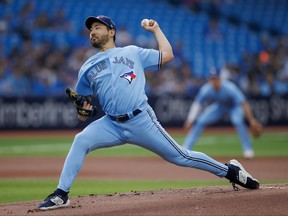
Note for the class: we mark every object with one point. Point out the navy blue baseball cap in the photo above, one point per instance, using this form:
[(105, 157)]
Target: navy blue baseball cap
[(102, 19), (214, 73)]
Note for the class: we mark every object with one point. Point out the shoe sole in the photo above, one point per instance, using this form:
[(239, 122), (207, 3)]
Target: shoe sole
[(56, 206), (236, 163)]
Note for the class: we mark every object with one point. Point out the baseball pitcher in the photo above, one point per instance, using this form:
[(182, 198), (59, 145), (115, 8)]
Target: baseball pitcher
[(115, 75)]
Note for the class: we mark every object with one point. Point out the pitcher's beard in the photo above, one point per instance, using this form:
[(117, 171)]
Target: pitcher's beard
[(96, 44), (100, 42)]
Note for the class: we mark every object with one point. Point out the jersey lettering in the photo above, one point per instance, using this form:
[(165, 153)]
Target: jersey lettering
[(125, 61), (100, 66)]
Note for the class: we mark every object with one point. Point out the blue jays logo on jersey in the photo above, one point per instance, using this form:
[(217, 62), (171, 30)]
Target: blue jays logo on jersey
[(129, 76)]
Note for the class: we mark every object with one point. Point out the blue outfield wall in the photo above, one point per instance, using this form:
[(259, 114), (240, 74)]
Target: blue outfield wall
[(60, 113)]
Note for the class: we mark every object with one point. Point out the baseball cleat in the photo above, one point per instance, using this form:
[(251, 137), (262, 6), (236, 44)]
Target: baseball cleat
[(238, 175), (54, 201)]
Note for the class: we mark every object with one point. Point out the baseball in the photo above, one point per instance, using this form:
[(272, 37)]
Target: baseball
[(145, 22)]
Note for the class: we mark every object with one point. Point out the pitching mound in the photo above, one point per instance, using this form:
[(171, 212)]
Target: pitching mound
[(268, 200)]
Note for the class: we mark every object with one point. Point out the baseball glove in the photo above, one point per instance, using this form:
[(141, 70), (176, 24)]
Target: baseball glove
[(79, 101), (256, 129)]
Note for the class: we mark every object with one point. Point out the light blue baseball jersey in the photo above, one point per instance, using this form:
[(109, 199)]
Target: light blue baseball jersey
[(228, 95), (116, 77)]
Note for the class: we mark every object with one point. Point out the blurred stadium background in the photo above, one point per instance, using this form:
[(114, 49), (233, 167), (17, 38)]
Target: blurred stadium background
[(43, 43)]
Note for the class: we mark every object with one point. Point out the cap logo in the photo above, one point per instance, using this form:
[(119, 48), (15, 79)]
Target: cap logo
[(213, 71)]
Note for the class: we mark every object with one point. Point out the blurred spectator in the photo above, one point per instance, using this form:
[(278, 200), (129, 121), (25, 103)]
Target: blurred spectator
[(16, 83), (22, 23), (4, 73), (179, 58), (123, 37), (266, 84), (3, 2), (213, 31), (41, 51), (60, 22), (283, 74), (3, 26), (43, 21)]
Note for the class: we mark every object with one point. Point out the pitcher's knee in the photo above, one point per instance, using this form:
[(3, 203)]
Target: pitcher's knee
[(81, 143), (200, 123), (238, 124), (237, 120)]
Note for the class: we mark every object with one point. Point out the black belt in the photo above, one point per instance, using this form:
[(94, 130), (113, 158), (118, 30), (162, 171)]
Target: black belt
[(125, 117)]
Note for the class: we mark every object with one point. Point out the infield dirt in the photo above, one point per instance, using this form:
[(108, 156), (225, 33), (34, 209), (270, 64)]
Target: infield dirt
[(268, 200)]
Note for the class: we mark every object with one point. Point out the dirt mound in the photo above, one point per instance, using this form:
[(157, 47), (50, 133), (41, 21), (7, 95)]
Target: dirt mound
[(268, 200)]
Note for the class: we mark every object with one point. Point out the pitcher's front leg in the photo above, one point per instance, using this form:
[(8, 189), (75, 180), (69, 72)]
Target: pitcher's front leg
[(99, 134)]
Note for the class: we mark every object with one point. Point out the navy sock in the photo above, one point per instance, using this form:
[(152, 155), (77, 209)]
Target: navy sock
[(61, 192)]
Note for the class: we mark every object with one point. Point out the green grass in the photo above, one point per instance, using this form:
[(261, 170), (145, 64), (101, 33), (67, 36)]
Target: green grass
[(35, 146), (31, 189), (35, 189), (268, 145), (14, 190)]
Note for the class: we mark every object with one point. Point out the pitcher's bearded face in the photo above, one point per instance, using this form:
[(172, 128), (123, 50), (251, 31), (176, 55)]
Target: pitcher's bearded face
[(98, 41), (99, 35), (216, 83)]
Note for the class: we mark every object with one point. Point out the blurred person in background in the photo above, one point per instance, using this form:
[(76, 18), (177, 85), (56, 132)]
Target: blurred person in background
[(16, 83), (222, 97)]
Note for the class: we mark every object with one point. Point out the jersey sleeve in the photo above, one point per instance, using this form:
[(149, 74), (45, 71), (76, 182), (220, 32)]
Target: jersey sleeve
[(202, 94), (150, 59), (83, 85)]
